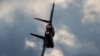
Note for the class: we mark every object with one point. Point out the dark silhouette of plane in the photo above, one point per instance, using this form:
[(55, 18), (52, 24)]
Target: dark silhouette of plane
[(49, 33)]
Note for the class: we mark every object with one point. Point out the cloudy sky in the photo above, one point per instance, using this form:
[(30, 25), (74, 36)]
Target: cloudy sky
[(76, 22)]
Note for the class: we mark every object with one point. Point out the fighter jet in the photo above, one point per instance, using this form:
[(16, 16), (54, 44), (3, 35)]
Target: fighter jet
[(49, 33)]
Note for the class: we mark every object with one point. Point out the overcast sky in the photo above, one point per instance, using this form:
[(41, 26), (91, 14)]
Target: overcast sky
[(76, 22)]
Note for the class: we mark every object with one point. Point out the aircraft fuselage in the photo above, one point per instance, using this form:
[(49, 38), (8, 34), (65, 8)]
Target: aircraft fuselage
[(49, 34)]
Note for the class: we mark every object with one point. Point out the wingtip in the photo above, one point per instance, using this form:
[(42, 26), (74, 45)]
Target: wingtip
[(30, 33)]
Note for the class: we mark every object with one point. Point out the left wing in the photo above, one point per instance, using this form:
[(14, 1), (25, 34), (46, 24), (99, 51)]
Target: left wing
[(41, 37)]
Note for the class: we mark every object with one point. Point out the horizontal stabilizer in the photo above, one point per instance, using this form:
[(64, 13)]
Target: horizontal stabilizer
[(42, 20)]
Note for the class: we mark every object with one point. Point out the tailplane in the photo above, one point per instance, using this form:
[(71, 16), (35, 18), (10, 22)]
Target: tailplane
[(42, 20)]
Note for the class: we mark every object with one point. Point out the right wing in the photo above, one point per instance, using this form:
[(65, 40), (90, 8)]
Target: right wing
[(43, 51)]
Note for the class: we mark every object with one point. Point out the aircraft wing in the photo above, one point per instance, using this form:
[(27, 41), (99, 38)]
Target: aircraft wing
[(41, 37), (43, 51)]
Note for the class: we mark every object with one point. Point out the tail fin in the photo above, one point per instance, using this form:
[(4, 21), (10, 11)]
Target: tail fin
[(42, 20), (51, 15)]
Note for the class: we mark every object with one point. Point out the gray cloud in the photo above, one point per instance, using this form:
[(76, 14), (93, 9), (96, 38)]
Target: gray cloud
[(16, 22)]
